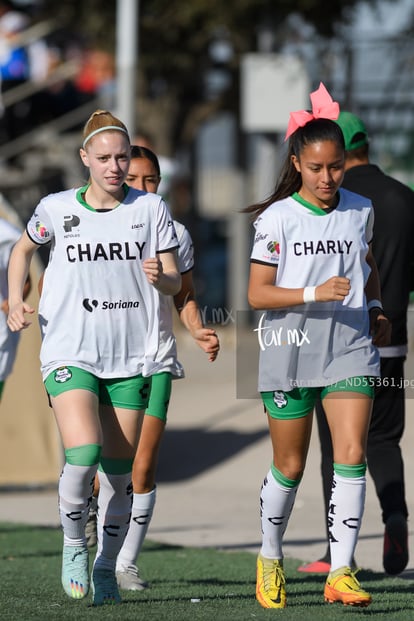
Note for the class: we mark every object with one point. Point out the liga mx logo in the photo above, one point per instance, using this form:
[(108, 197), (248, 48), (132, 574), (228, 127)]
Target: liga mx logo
[(273, 247), (41, 230)]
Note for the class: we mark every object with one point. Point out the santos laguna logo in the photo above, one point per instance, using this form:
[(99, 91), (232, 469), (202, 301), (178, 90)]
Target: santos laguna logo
[(90, 305)]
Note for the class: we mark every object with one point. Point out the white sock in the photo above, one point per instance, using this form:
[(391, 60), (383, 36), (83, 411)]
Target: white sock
[(114, 512), (142, 510), (75, 492), (276, 503), (344, 518)]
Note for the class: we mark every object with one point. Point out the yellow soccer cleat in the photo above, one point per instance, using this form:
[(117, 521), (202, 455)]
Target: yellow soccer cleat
[(342, 586), (270, 583)]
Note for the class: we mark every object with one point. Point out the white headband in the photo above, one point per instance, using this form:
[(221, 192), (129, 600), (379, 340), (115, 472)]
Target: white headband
[(103, 129)]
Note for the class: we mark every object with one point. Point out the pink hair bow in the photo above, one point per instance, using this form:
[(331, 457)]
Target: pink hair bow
[(323, 107)]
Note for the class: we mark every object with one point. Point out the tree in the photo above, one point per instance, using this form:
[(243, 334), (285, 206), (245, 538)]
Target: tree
[(175, 39)]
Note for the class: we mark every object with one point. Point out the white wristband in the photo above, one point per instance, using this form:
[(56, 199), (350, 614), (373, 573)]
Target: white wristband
[(309, 295), (374, 304)]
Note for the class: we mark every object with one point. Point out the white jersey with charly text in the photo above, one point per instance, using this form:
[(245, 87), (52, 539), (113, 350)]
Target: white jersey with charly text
[(167, 350), (315, 344), (97, 310), (9, 234)]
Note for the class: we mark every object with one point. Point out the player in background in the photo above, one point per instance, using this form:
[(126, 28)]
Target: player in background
[(144, 175), (9, 340)]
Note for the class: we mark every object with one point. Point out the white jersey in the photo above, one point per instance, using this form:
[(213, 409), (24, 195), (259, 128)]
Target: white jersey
[(315, 344), (97, 310), (167, 351), (9, 234)]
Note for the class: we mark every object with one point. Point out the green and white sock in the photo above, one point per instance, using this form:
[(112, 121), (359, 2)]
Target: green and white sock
[(345, 512), (114, 512), (75, 491), (276, 502), (142, 510)]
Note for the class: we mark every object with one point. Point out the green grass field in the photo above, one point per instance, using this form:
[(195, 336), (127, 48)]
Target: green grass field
[(223, 583)]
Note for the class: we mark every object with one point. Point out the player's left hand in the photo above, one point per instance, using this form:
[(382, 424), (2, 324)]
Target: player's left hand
[(209, 342), (153, 270), (380, 328)]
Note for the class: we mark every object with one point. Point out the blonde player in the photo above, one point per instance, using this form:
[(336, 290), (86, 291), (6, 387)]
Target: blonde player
[(113, 249)]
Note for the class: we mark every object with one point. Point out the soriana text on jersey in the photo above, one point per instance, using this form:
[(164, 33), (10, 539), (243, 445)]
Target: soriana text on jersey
[(90, 305)]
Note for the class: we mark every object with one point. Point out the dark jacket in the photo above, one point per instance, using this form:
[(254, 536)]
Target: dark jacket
[(393, 241)]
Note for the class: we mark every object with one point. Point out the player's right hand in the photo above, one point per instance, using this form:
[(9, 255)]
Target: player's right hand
[(16, 319)]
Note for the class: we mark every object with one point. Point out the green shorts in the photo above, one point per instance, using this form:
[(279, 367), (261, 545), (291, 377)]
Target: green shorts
[(159, 396), (131, 393), (300, 401)]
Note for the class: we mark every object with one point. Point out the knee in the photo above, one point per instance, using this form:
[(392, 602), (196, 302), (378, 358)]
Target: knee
[(292, 467), (350, 455)]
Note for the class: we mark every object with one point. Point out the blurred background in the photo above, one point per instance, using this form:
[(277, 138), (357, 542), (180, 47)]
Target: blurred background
[(208, 85)]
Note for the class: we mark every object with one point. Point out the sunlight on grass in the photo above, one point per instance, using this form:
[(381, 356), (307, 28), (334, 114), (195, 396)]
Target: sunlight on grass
[(187, 584)]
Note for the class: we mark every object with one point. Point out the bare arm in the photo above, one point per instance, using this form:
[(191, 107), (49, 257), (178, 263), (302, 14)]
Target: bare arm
[(18, 273), (27, 287), (263, 294), (26, 290), (162, 272), (189, 313)]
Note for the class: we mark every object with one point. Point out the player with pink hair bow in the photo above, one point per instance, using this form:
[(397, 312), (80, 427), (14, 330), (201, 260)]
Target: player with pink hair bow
[(312, 272), (323, 107)]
